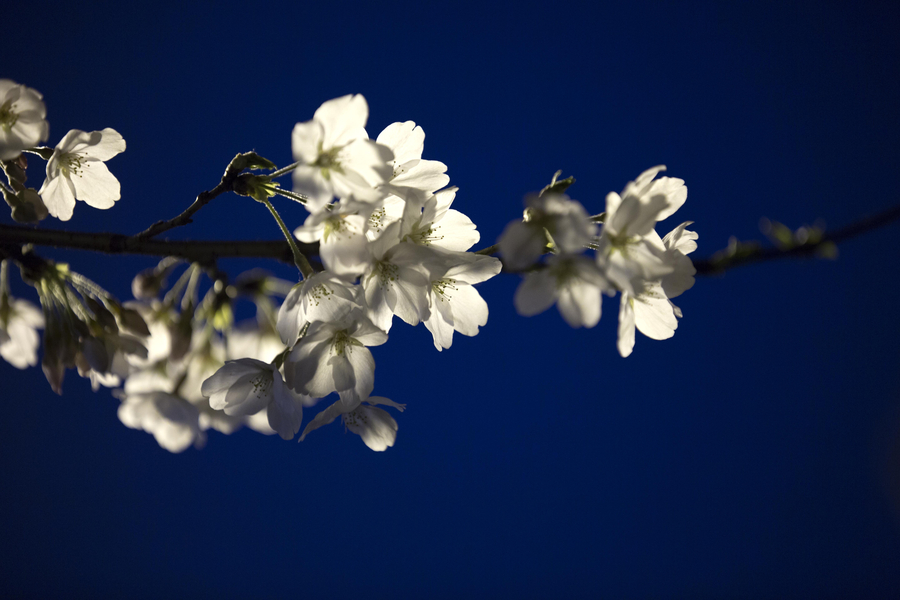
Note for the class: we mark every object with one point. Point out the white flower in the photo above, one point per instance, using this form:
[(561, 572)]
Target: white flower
[(438, 225), (574, 283), (341, 233), (76, 171), (23, 121), (455, 304), (396, 280), (322, 297), (18, 339), (629, 250), (523, 242), (413, 177), (332, 357), (246, 386), (173, 421), (338, 157), (375, 426)]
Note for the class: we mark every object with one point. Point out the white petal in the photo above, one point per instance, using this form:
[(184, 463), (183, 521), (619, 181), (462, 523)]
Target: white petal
[(369, 159), (521, 244), (310, 182), (625, 343), (475, 269), (579, 303), (96, 186), (440, 329), (406, 140), (58, 195), (364, 370), (536, 293), (455, 231), (470, 311), (103, 145), (323, 418), (654, 315), (341, 119), (305, 139), (285, 413)]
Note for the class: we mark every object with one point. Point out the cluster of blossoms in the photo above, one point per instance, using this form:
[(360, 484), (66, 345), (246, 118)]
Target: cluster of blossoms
[(75, 167), (629, 256), (389, 241), (391, 246)]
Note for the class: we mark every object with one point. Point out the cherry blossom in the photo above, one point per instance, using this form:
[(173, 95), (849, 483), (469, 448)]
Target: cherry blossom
[(173, 421), (412, 177), (564, 220), (23, 121), (247, 386), (375, 426), (76, 171), (332, 357), (574, 283), (336, 155), (455, 304)]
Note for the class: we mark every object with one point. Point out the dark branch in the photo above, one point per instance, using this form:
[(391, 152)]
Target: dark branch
[(112, 243), (184, 218), (205, 252), (739, 254)]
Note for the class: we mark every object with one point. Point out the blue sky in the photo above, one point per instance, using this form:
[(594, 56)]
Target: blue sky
[(755, 454)]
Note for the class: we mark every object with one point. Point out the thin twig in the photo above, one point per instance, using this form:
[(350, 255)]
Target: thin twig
[(746, 254), (184, 218)]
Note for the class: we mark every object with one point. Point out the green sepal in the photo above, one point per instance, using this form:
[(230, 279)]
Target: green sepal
[(248, 160), (557, 185)]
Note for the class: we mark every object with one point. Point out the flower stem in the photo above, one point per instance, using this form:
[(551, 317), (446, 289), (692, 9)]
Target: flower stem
[(283, 170), (190, 293), (305, 268), (291, 195)]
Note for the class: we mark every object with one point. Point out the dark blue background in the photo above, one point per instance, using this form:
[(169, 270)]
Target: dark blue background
[(755, 454)]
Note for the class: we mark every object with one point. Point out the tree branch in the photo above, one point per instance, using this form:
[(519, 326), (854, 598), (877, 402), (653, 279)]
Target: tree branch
[(744, 253), (112, 243), (205, 252)]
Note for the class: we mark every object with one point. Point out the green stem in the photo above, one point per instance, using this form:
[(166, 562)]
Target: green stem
[(305, 268), (172, 294), (190, 293)]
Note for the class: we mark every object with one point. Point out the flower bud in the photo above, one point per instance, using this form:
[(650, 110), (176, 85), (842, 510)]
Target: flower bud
[(102, 314), (134, 322), (146, 285), (27, 206)]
